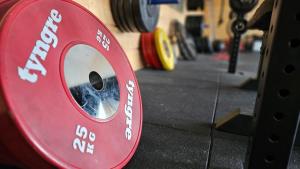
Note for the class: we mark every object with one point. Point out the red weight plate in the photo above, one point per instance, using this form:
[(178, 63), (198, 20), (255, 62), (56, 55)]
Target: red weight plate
[(148, 48), (144, 49), (5, 5), (156, 61), (68, 87), (150, 51), (20, 153), (6, 158)]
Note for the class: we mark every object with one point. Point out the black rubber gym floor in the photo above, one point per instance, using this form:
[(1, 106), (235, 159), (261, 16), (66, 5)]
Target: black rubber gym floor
[(179, 108)]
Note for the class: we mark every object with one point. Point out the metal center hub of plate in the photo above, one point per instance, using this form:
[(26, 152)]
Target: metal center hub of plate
[(92, 81)]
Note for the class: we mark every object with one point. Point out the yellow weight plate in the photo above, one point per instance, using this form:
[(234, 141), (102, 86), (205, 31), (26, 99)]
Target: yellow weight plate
[(164, 49)]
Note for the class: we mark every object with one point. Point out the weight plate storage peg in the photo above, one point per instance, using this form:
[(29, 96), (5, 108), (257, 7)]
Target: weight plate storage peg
[(69, 98)]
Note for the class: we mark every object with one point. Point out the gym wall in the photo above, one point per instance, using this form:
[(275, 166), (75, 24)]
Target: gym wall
[(129, 41)]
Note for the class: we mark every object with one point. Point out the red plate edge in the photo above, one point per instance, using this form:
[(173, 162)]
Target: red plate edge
[(150, 50), (156, 62), (145, 51)]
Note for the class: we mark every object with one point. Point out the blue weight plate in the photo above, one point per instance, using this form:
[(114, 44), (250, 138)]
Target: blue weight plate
[(146, 16)]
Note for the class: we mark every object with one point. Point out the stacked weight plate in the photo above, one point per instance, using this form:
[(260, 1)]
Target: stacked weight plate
[(157, 50), (69, 98), (185, 41), (134, 15), (203, 45), (194, 25), (195, 4)]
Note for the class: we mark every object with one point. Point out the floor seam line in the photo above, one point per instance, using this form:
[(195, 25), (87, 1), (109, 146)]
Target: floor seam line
[(208, 162)]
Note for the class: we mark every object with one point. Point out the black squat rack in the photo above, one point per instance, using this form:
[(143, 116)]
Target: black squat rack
[(273, 128)]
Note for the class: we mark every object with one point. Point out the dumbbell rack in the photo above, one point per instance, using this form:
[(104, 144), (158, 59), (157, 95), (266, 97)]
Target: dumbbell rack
[(276, 116)]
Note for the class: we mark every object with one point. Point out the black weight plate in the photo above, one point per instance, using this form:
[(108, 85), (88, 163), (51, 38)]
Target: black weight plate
[(146, 16), (185, 42), (193, 25), (134, 5), (195, 4), (190, 45), (122, 16), (262, 18), (182, 45), (203, 45), (128, 14), (183, 51), (199, 44), (242, 7), (177, 32), (114, 11), (207, 48)]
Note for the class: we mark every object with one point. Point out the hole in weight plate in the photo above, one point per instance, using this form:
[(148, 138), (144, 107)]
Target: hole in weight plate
[(258, 95), (289, 69), (269, 159), (294, 43), (96, 80), (298, 16), (284, 93), (278, 116), (274, 138)]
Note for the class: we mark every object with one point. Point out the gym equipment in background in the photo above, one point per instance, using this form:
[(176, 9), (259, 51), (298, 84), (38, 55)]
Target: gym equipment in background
[(185, 41), (137, 15), (195, 4), (203, 45), (274, 128), (157, 50), (218, 45), (194, 25), (238, 27)]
